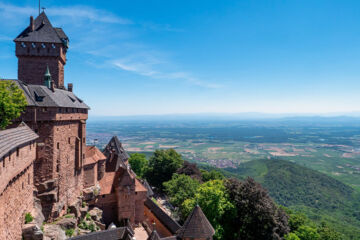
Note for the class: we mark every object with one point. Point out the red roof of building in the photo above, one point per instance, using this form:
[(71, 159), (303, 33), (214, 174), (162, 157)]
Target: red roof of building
[(93, 155)]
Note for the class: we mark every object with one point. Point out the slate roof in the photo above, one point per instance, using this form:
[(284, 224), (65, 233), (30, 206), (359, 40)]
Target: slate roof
[(154, 236), (122, 233), (42, 96), (165, 219), (150, 192), (196, 226), (14, 137), (44, 32), (116, 155)]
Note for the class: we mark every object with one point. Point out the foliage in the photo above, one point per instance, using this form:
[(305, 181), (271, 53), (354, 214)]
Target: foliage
[(180, 188), (190, 169), (316, 195), (28, 218), (138, 163), (12, 102), (213, 200), (291, 236), (83, 204), (69, 232), (162, 165), (92, 227), (257, 216), (212, 175), (87, 216)]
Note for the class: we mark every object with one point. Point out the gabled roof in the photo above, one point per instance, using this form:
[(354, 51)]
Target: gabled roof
[(93, 155), (196, 226), (122, 233), (42, 96), (115, 154), (44, 32), (150, 192), (154, 236), (14, 137)]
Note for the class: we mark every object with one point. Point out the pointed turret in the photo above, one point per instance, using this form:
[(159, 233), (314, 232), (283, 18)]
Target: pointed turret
[(41, 44), (196, 226)]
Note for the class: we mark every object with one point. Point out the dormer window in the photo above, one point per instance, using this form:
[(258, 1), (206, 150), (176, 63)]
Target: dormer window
[(23, 45), (43, 45), (53, 46), (33, 45)]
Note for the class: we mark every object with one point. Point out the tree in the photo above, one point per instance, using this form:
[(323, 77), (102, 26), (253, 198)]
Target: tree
[(138, 163), (212, 175), (214, 201), (306, 232), (190, 169), (162, 165), (180, 188), (291, 236), (257, 216), (12, 102)]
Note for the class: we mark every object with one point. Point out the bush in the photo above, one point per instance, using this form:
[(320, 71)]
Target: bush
[(69, 232), (28, 218), (88, 217)]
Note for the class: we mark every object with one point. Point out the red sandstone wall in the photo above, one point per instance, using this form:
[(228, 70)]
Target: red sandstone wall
[(150, 218), (90, 174), (32, 63), (66, 136), (17, 197)]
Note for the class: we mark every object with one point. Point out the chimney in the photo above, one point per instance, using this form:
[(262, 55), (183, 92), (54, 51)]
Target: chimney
[(70, 87), (52, 86), (32, 24)]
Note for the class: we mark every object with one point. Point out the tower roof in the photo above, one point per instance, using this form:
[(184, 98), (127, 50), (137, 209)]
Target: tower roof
[(47, 72), (196, 226), (43, 32), (116, 155)]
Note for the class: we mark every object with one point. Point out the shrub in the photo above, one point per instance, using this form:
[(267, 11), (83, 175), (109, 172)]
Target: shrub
[(69, 232), (28, 218), (88, 217)]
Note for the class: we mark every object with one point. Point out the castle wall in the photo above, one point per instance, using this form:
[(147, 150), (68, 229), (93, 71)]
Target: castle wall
[(32, 62), (90, 175), (150, 218), (16, 198), (68, 158)]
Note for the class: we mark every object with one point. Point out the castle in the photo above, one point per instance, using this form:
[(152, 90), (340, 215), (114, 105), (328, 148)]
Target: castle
[(44, 157)]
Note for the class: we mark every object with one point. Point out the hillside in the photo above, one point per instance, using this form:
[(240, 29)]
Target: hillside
[(321, 197)]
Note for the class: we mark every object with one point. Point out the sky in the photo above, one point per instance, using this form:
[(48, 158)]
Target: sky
[(132, 57)]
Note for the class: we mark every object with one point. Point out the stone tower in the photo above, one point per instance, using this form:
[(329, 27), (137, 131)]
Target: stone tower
[(56, 114), (39, 45)]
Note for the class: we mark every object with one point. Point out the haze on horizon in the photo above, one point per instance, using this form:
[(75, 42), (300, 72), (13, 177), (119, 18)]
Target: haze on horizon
[(190, 57)]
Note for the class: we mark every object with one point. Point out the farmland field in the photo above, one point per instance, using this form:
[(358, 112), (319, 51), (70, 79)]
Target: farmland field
[(331, 146)]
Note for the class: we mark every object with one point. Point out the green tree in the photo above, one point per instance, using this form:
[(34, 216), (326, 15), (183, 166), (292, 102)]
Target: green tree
[(306, 232), (180, 188), (12, 102), (138, 163), (214, 201), (212, 175), (291, 236), (162, 165), (257, 216), (327, 233)]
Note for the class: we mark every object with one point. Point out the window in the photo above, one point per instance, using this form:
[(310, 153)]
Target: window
[(30, 145), (22, 185), (83, 155), (29, 178), (17, 152), (3, 162), (83, 140), (58, 146), (59, 110)]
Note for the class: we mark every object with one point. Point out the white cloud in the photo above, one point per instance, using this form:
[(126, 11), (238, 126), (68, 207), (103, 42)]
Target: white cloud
[(149, 67), (73, 12)]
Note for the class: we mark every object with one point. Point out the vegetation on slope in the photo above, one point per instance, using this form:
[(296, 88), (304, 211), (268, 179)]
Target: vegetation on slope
[(321, 197)]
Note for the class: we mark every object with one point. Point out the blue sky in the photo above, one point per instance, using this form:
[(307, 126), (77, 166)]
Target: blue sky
[(163, 57)]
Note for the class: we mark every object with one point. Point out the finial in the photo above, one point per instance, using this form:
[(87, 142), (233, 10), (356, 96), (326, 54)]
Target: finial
[(43, 8), (47, 77)]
